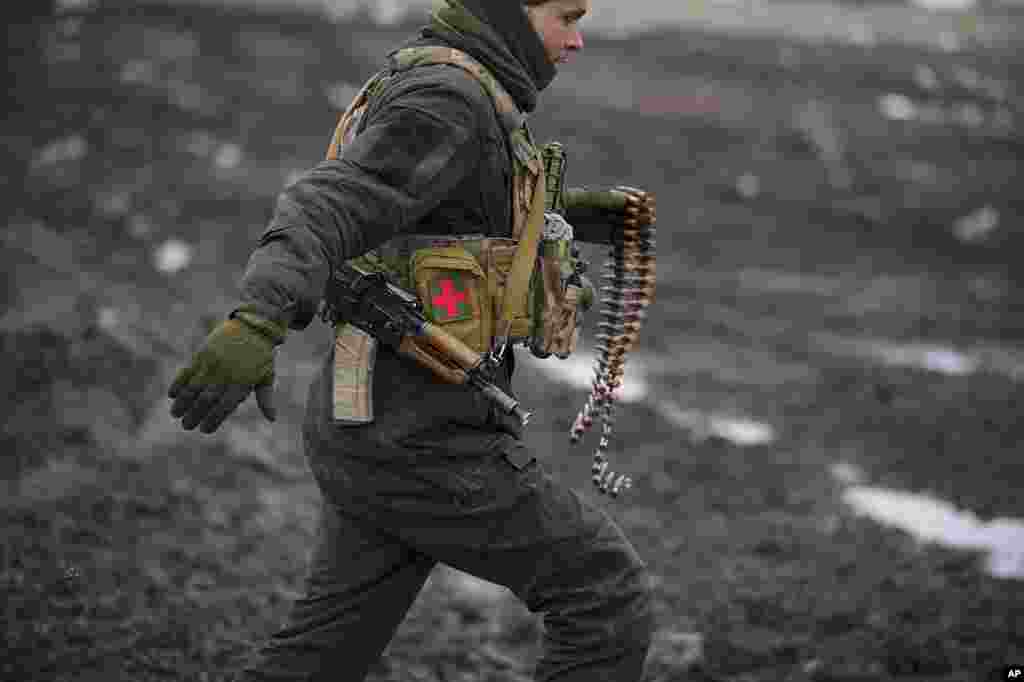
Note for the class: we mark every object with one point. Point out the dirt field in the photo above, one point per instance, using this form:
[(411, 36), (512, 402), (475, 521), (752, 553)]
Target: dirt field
[(819, 204)]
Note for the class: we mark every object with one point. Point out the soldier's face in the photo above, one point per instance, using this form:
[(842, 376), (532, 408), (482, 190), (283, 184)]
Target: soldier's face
[(557, 24)]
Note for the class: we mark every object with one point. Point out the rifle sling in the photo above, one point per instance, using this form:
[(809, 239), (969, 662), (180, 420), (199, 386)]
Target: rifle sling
[(522, 263)]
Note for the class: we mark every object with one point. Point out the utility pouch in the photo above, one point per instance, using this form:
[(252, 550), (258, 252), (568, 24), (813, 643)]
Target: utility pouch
[(556, 292), (453, 289), (355, 353), (555, 304), (497, 256)]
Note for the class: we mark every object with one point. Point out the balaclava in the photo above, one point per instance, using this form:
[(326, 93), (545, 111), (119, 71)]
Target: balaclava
[(509, 19), (497, 33)]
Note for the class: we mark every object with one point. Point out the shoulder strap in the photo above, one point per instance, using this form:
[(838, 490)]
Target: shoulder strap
[(511, 117), (346, 128), (522, 265)]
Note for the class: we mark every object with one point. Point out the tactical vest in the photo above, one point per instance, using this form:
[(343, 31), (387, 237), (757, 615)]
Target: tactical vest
[(461, 280)]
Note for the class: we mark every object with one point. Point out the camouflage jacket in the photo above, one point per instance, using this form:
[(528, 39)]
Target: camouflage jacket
[(431, 157)]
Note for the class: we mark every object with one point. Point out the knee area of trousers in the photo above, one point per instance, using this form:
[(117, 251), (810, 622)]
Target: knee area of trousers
[(625, 617), (638, 619), (626, 587)]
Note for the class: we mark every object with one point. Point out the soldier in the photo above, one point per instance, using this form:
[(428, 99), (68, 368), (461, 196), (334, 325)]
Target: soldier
[(432, 472)]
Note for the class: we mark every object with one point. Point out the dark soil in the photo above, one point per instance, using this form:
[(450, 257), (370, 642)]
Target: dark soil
[(133, 550)]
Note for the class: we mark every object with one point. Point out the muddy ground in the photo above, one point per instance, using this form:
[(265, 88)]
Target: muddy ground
[(800, 228)]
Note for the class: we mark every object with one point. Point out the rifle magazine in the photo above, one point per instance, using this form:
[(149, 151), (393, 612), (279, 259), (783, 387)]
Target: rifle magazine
[(355, 353)]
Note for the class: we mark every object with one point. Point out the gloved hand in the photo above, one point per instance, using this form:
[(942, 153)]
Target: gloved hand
[(236, 358)]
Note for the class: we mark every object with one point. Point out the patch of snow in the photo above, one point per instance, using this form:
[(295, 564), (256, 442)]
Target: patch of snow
[(71, 148), (847, 473), (936, 521), (742, 431), (949, 362), (229, 155), (107, 318), (1004, 359), (932, 358), (748, 185), (703, 425), (578, 370), (896, 107), (173, 256), (944, 5), (977, 225)]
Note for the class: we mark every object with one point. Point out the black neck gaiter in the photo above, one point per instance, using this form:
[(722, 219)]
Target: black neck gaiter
[(498, 34), (508, 18)]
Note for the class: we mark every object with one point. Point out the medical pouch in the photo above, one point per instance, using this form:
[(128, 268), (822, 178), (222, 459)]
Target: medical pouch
[(453, 290)]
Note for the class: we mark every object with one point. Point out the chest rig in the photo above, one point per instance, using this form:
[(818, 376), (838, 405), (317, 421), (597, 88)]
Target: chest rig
[(486, 291)]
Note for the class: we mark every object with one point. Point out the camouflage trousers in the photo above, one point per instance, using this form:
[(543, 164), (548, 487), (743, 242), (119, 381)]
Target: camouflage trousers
[(498, 515)]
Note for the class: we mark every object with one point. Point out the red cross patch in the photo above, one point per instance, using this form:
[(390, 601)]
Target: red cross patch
[(450, 298)]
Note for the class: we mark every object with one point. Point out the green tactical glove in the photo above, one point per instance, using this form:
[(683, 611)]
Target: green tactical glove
[(236, 358)]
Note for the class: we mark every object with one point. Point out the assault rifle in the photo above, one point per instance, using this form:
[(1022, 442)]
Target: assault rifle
[(394, 317)]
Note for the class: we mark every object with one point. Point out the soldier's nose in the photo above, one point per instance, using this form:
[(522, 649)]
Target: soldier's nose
[(576, 41)]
